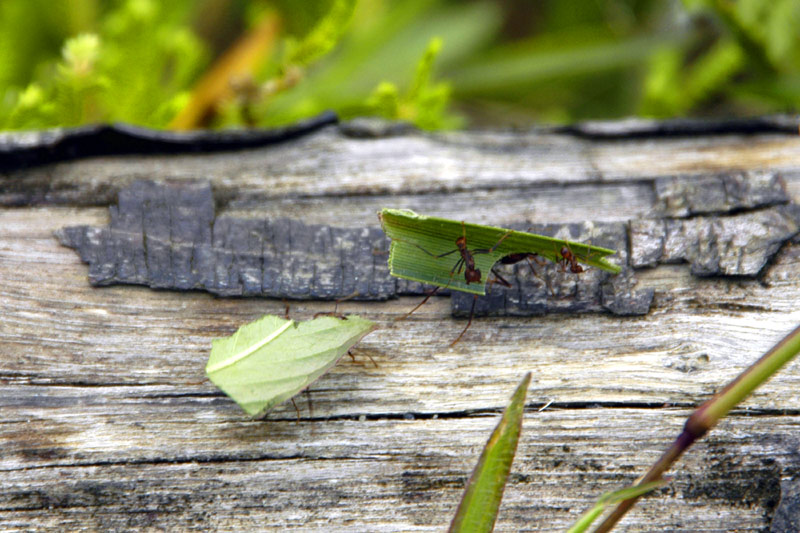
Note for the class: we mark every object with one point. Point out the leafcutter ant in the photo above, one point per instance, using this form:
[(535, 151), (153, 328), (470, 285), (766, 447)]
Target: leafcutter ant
[(471, 273), (335, 313), (568, 259), (341, 316), (531, 258)]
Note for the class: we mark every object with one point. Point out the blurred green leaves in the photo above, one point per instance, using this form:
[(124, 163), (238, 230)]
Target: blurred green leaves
[(431, 62), (740, 58), (323, 37), (133, 64), (425, 102)]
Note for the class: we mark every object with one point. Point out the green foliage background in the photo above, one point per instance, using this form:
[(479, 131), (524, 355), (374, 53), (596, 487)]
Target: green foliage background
[(437, 63)]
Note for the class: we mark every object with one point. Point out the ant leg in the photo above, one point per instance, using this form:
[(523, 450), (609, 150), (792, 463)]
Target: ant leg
[(459, 264), (427, 297), (434, 255), (535, 259), (296, 409), (335, 313), (506, 234), (307, 392), (471, 313), (545, 280), (500, 279), (350, 353), (493, 248)]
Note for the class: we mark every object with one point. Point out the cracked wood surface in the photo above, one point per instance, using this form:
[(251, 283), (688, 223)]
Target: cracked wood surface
[(109, 422)]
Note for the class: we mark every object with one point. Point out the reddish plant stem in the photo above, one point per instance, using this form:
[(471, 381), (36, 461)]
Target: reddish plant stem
[(707, 415)]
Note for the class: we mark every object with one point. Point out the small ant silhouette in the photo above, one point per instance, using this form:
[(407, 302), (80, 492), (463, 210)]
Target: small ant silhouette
[(471, 274)]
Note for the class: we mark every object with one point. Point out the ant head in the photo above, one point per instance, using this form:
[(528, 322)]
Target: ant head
[(565, 252), (472, 276), (461, 241)]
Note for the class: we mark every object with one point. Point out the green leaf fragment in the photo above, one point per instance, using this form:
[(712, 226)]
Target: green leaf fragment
[(268, 361), (417, 240), (481, 501)]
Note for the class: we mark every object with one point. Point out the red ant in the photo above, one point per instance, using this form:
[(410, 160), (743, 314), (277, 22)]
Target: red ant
[(565, 258), (336, 314), (471, 274), (531, 257), (568, 259)]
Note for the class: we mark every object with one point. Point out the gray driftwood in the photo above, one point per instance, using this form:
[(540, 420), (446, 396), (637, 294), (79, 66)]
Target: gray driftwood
[(110, 424)]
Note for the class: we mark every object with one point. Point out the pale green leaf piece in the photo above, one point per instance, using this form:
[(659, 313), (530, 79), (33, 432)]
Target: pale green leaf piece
[(613, 498), (477, 511), (268, 361), (417, 240)]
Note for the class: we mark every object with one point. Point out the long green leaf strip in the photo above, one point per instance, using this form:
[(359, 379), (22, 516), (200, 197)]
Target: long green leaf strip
[(268, 361), (417, 240), (481, 501)]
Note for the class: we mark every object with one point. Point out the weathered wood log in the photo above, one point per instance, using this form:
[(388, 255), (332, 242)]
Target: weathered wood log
[(109, 422)]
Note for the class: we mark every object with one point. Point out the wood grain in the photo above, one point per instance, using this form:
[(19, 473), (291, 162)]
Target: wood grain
[(110, 424)]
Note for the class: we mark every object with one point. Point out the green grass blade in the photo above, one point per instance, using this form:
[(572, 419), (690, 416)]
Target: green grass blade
[(270, 360), (612, 498), (481, 501), (412, 235)]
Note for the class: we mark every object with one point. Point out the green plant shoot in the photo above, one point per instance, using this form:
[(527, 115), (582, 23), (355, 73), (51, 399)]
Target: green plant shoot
[(712, 411), (612, 498), (481, 501), (268, 361), (417, 240)]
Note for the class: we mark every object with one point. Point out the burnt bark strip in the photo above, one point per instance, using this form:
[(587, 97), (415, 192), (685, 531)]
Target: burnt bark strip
[(679, 197), (554, 289), (23, 150), (167, 237), (735, 245)]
